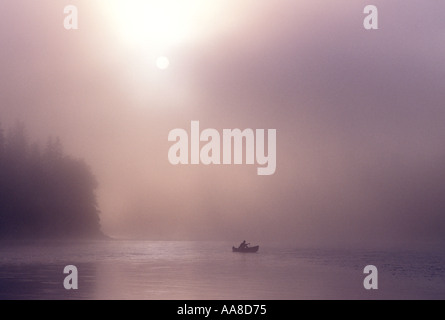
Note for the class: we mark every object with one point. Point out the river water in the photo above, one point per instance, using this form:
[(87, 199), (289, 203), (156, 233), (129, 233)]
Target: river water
[(209, 270)]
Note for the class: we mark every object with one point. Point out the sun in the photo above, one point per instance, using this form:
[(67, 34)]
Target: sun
[(162, 23), (162, 62)]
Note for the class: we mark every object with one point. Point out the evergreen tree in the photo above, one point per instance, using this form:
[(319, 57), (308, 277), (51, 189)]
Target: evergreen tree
[(44, 194), (2, 141), (54, 149)]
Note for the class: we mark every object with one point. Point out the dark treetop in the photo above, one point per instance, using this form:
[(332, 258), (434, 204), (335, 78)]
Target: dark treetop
[(44, 193)]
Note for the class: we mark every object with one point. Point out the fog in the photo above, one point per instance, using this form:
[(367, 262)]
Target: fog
[(359, 117)]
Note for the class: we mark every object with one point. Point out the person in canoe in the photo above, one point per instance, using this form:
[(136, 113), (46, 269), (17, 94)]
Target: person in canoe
[(243, 245)]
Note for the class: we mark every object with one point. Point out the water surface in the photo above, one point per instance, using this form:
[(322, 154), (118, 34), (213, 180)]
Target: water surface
[(209, 270)]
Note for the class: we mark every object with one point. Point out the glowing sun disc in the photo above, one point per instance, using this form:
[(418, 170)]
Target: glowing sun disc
[(162, 63)]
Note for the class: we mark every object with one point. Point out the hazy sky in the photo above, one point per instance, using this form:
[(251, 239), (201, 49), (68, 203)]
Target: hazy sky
[(359, 114)]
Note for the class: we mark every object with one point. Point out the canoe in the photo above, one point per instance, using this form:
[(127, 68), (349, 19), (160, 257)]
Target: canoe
[(246, 250)]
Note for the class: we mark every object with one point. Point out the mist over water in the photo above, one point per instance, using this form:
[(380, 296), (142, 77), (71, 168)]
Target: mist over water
[(359, 119), (359, 174)]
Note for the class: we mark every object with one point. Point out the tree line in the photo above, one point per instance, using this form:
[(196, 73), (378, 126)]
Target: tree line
[(43, 192)]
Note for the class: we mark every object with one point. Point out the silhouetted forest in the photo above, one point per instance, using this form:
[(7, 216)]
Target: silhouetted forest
[(43, 192)]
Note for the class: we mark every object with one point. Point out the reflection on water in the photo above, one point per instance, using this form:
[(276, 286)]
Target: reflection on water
[(209, 270)]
